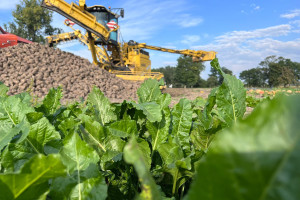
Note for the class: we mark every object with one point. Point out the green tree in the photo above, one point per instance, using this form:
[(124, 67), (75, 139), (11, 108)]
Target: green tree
[(215, 78), (169, 74), (187, 72), (212, 81), (201, 83), (281, 71), (220, 77), (252, 77), (287, 76), (31, 21)]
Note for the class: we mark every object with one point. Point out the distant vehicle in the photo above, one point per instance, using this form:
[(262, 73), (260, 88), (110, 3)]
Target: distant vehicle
[(8, 39)]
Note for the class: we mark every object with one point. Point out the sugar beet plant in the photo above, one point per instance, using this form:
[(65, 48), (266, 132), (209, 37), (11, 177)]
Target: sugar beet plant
[(147, 150)]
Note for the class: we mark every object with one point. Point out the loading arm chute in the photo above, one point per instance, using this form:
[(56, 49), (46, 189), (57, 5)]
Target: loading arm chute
[(197, 55), (100, 52)]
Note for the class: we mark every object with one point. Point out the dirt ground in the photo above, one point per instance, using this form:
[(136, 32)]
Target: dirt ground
[(191, 94)]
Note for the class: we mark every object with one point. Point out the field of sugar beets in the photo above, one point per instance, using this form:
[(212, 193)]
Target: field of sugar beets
[(146, 149)]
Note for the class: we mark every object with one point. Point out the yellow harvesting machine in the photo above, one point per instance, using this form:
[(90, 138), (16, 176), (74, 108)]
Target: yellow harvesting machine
[(127, 60)]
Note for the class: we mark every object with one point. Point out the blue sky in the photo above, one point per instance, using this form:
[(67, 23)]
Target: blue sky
[(242, 32)]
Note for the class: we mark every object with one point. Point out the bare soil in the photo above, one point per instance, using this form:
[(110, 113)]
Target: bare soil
[(191, 94)]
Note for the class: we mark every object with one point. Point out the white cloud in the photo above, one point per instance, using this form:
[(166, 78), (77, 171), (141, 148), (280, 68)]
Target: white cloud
[(241, 50), (240, 36), (295, 22), (186, 20), (154, 16), (244, 12), (8, 5), (190, 39), (255, 7), (150, 17), (291, 14)]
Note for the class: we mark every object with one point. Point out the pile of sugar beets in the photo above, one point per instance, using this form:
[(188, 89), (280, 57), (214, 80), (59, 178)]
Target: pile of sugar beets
[(37, 68)]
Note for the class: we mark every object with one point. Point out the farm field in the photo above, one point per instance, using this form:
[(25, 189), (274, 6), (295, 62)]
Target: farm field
[(83, 115), (148, 148), (193, 93), (254, 96)]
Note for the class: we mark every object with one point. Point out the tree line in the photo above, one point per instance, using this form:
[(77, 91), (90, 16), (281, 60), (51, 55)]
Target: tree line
[(272, 72), (187, 74)]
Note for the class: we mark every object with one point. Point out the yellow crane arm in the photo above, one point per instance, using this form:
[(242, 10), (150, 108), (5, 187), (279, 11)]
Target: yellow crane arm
[(100, 52), (78, 15), (196, 55), (63, 37)]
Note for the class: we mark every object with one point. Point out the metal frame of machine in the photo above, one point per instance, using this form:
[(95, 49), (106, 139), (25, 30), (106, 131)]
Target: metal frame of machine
[(129, 60)]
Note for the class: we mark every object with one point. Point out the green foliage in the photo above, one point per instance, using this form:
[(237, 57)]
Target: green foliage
[(215, 77), (273, 71), (149, 91), (252, 101), (187, 72), (32, 180), (258, 158), (3, 90), (101, 106), (145, 149), (253, 77), (169, 73), (31, 21), (134, 154)]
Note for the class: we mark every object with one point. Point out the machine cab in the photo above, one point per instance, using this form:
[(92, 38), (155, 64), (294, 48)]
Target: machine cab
[(107, 18)]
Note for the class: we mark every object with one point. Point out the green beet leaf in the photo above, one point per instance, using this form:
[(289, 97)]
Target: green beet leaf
[(257, 158), (164, 100), (230, 97), (174, 162), (8, 132), (76, 154), (3, 90), (12, 118), (123, 128), (99, 137), (24, 97), (32, 181), (133, 154), (40, 133), (51, 101), (159, 131), (205, 117), (149, 91), (68, 125), (93, 188), (103, 109), (182, 121), (15, 155), (151, 110), (145, 149), (88, 185)]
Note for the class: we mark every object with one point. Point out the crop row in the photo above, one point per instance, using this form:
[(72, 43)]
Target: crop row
[(201, 149)]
